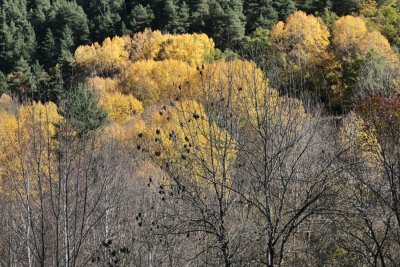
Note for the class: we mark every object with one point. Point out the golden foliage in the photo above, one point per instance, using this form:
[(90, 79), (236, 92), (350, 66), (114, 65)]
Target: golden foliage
[(184, 137), (145, 45), (356, 136), (241, 87), (111, 55), (6, 103), (302, 38), (377, 43), (39, 118), (121, 107), (151, 81), (27, 138), (348, 33), (103, 86), (194, 49), (127, 132)]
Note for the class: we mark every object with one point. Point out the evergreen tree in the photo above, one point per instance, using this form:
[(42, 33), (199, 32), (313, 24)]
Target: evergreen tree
[(72, 15), (83, 112), (47, 51), (41, 79), (140, 18), (172, 22), (7, 50), (124, 30), (3, 83), (38, 16), (217, 23), (55, 89), (66, 46), (184, 17), (17, 37), (21, 80), (201, 12), (236, 21), (342, 8), (259, 13), (312, 6), (106, 25), (284, 8)]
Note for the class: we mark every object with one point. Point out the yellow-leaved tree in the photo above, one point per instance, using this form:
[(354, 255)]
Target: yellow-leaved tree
[(302, 39), (27, 141), (377, 43), (194, 49), (103, 86), (120, 107), (183, 137), (151, 81), (348, 33), (110, 56)]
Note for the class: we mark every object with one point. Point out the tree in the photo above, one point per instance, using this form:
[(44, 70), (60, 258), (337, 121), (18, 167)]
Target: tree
[(3, 83), (347, 33), (303, 38), (120, 107), (48, 50), (259, 14), (106, 58), (184, 17), (312, 6), (157, 81), (17, 37), (284, 8), (140, 18), (66, 46), (106, 24), (198, 157), (172, 20), (201, 12), (71, 15), (217, 22), (82, 111), (236, 21), (345, 7), (21, 81)]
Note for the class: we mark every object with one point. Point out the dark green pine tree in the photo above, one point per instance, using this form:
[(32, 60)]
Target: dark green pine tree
[(284, 8), (104, 16), (172, 21), (55, 88), (17, 37), (124, 30), (235, 21), (41, 82), (106, 25), (38, 13), (7, 51), (312, 6), (69, 13), (21, 80), (140, 18), (66, 46), (83, 112), (343, 8), (3, 84), (259, 14), (48, 50), (184, 17), (200, 15), (217, 24)]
